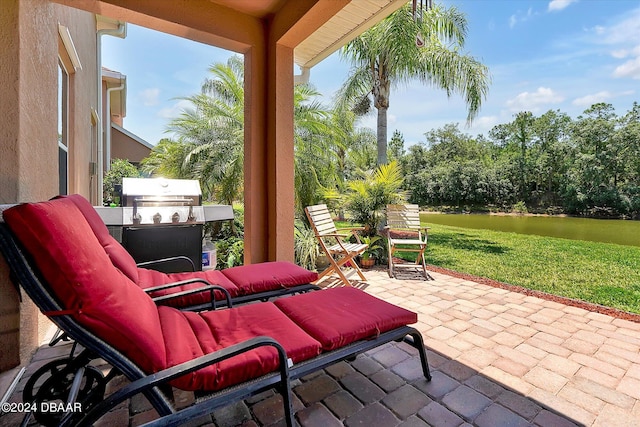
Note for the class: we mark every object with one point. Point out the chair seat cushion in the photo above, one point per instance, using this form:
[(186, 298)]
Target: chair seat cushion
[(188, 335), (268, 276), (339, 316), (151, 278)]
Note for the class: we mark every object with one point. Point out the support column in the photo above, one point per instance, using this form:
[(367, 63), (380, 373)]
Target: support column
[(280, 154), (269, 187), (255, 164)]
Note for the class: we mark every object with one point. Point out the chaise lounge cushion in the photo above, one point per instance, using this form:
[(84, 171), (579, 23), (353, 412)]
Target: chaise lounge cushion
[(188, 335), (268, 276), (146, 278), (82, 277), (242, 280), (337, 317), (120, 258)]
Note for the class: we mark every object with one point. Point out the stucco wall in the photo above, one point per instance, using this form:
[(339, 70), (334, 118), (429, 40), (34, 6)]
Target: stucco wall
[(82, 97), (28, 135)]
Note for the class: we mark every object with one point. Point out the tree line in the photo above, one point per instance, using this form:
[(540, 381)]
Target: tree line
[(550, 163), (590, 165)]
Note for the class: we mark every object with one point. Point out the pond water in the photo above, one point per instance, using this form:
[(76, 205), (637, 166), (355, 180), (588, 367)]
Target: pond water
[(623, 232)]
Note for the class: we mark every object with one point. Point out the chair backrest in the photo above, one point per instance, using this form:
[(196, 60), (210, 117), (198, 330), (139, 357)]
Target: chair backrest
[(117, 253), (403, 217), (320, 219)]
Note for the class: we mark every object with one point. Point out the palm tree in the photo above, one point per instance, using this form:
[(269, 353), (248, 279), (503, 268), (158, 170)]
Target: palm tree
[(167, 159), (215, 128), (388, 54), (312, 157), (210, 145)]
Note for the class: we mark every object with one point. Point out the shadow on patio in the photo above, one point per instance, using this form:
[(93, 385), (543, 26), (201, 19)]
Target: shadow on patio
[(498, 358)]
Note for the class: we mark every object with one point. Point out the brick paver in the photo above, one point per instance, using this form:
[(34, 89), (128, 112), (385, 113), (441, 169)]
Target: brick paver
[(498, 358)]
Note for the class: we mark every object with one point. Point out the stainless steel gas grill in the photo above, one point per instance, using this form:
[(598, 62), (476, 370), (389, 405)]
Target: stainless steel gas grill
[(162, 201), (162, 218)]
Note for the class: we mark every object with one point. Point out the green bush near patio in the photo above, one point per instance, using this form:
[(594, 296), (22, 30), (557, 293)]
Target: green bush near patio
[(601, 273)]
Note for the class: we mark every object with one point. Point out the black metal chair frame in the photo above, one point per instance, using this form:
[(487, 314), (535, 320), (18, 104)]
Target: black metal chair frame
[(23, 273)]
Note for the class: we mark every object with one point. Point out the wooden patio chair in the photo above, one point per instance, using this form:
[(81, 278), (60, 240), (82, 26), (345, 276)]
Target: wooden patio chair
[(405, 234), (341, 252)]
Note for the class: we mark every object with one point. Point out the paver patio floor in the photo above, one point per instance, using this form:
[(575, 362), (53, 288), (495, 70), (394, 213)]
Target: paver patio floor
[(498, 358)]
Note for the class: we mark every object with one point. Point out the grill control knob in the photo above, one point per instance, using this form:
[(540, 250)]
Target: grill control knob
[(157, 218), (175, 218)]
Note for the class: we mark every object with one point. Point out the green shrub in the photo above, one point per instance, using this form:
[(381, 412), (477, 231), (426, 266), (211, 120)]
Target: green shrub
[(520, 207), (120, 168), (367, 198), (230, 252), (306, 247)]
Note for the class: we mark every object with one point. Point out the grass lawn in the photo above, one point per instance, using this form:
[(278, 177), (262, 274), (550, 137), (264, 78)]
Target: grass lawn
[(600, 273)]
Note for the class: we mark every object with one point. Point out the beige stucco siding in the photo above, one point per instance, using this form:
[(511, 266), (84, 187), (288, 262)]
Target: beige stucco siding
[(28, 134)]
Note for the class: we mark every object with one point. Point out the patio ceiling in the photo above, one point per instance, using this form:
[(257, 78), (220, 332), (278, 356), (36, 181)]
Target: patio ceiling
[(355, 18)]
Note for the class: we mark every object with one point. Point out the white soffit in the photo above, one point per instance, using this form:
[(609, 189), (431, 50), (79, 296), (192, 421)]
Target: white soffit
[(354, 19)]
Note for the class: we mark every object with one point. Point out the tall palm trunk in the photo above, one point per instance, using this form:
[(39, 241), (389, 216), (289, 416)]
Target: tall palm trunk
[(382, 136), (381, 102)]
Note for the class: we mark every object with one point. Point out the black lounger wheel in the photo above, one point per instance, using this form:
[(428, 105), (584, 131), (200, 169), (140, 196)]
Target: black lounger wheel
[(50, 385)]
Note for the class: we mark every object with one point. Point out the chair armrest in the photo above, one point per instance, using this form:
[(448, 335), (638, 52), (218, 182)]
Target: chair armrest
[(207, 287), (169, 374), (176, 284), (210, 288), (166, 260)]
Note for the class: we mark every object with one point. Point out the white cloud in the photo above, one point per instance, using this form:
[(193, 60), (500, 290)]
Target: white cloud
[(150, 96), (556, 5), (485, 122), (625, 32), (513, 20), (482, 124), (589, 100), (630, 69), (521, 17), (602, 96), (532, 101), (620, 54), (175, 110)]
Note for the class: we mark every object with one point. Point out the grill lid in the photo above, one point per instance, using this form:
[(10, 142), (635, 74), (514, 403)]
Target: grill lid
[(161, 187), (153, 201)]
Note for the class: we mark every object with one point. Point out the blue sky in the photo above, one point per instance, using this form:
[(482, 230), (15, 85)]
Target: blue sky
[(561, 55)]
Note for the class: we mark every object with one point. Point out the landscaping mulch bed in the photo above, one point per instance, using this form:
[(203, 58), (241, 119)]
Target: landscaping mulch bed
[(613, 312)]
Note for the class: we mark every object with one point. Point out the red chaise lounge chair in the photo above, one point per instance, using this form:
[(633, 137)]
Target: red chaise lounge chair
[(244, 283), (233, 353)]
